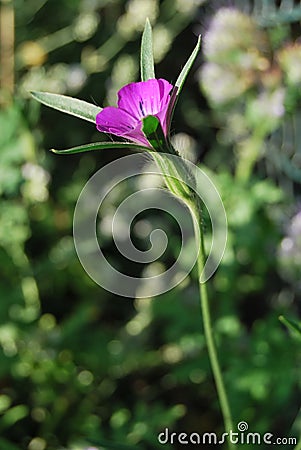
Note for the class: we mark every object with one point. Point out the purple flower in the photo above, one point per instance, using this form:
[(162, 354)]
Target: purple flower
[(136, 101)]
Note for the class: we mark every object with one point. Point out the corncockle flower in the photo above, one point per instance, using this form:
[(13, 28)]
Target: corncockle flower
[(135, 102), (143, 118)]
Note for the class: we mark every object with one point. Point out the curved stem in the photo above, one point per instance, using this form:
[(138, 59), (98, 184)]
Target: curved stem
[(207, 324)]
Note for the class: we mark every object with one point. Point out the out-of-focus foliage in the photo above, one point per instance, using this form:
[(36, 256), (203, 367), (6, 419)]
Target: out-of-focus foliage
[(252, 79), (80, 368)]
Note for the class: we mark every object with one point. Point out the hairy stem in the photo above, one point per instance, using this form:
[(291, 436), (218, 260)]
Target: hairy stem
[(207, 324)]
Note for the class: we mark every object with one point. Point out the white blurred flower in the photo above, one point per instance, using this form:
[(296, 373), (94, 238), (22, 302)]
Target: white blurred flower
[(76, 77), (267, 109), (188, 6), (220, 85), (36, 182), (289, 252), (290, 62), (139, 11), (162, 40), (234, 39), (134, 18), (85, 26)]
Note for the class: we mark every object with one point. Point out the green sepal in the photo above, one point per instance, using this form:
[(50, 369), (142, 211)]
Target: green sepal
[(181, 80), (154, 134), (146, 55), (100, 146), (68, 105)]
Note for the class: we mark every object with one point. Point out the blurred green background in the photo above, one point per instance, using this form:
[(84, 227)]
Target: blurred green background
[(79, 367)]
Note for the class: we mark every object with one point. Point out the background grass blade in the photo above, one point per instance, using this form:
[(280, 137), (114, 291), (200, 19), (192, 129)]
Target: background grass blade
[(69, 105), (146, 56), (291, 324)]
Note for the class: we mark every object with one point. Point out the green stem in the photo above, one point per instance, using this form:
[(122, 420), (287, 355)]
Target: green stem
[(248, 154), (207, 323), (298, 446)]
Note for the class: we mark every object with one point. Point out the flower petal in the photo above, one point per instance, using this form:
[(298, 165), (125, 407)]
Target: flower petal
[(144, 98), (162, 116), (137, 136), (136, 101), (115, 121), (118, 122), (165, 89)]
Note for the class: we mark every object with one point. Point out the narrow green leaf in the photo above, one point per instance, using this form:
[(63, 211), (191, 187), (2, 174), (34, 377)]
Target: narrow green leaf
[(69, 105), (186, 69), (99, 146), (154, 134), (291, 324), (181, 79), (146, 56)]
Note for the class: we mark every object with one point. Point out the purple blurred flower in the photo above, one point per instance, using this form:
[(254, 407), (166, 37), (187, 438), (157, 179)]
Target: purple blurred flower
[(136, 101)]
